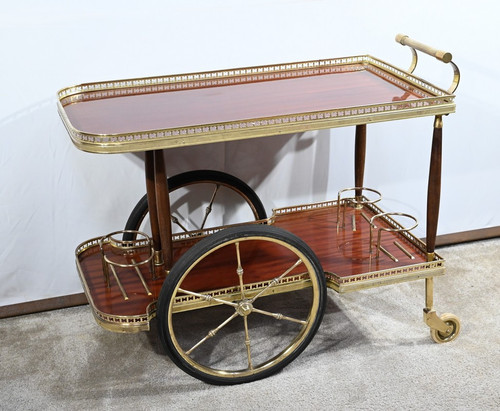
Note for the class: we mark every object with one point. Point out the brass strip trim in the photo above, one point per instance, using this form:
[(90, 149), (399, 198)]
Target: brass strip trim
[(216, 133), (405, 77), (381, 278), (196, 235), (213, 78), (398, 271), (127, 87), (303, 207), (129, 324)]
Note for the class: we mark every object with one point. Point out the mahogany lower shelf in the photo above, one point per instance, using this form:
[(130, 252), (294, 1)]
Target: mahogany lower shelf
[(344, 253)]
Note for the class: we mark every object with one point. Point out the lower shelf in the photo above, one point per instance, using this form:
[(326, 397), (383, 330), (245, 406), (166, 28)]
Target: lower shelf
[(111, 310), (348, 252), (344, 250)]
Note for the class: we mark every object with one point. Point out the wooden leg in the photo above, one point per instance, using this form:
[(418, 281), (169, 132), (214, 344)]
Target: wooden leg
[(159, 208), (153, 215), (163, 208), (446, 327), (359, 157), (434, 187)]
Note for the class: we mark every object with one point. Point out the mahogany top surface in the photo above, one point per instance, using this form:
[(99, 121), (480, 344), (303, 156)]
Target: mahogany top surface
[(200, 108), (172, 109)]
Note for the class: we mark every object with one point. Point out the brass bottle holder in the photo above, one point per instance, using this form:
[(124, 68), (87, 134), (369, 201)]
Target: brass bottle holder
[(357, 201), (393, 230), (360, 200), (124, 254)]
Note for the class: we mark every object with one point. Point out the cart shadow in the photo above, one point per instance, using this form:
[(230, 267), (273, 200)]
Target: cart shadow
[(136, 365), (339, 330), (336, 332), (278, 168)]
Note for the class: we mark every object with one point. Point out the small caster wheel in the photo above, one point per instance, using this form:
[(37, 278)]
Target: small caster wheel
[(442, 337)]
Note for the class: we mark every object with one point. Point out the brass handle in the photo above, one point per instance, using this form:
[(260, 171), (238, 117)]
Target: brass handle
[(444, 56)]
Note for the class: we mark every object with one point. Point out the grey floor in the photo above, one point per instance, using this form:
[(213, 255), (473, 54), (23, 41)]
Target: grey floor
[(371, 352)]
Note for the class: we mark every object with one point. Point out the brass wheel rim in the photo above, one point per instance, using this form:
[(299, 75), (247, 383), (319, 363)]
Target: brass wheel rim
[(244, 308)]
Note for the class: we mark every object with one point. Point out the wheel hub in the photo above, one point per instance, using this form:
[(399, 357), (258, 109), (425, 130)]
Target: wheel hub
[(244, 308)]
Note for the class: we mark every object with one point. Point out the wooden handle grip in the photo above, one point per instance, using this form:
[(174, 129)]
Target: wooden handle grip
[(444, 56)]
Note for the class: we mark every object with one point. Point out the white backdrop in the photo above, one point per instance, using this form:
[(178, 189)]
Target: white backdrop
[(52, 196)]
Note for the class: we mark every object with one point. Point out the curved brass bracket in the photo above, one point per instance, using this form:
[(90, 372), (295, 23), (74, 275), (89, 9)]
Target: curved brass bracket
[(414, 60), (456, 78), (443, 56)]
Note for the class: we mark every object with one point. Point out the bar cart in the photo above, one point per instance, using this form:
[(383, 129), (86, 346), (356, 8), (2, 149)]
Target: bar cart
[(239, 301)]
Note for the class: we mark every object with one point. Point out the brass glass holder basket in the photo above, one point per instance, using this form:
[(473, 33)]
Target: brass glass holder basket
[(399, 229), (125, 254), (359, 200)]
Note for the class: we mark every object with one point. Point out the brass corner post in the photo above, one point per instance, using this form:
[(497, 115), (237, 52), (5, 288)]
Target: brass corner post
[(430, 316), (429, 294)]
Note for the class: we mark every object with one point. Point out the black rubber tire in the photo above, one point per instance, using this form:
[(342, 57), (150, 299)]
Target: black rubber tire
[(300, 335), (194, 177)]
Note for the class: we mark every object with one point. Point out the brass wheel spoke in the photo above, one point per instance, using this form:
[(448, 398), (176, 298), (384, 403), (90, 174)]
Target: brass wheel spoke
[(247, 343), (211, 333), (279, 316), (276, 280), (175, 220), (208, 209), (208, 297)]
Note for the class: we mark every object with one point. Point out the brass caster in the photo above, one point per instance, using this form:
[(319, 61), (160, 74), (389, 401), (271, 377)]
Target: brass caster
[(453, 329)]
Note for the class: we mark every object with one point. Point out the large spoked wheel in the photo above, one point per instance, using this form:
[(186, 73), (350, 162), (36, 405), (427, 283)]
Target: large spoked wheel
[(241, 304), (202, 199)]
